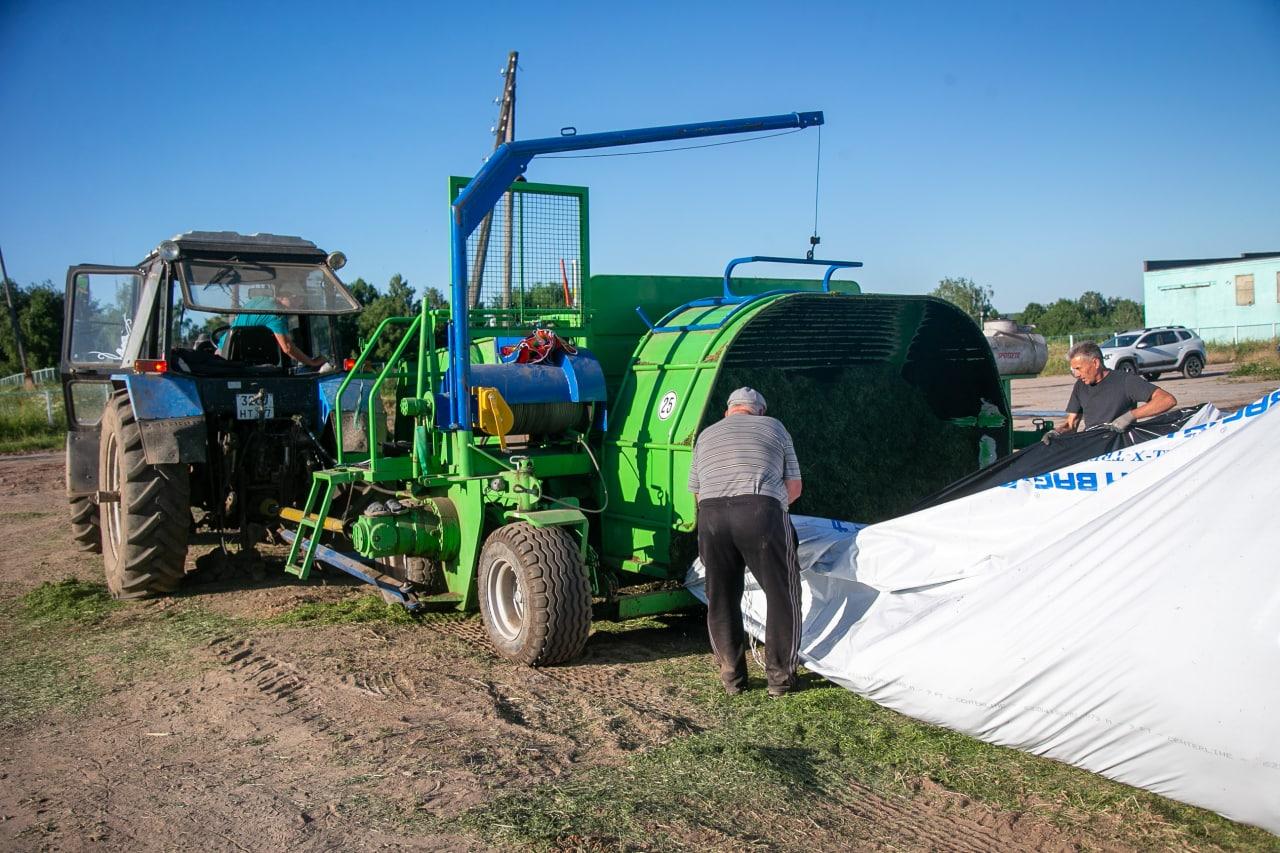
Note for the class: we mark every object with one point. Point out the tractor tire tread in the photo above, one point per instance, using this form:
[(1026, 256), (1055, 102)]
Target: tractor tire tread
[(85, 529), (154, 513)]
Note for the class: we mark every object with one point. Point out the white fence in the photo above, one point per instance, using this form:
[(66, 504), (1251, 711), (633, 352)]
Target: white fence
[(41, 376), (1238, 333)]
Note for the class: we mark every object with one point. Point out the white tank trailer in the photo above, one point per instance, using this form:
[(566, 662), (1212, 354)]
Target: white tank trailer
[(1018, 350)]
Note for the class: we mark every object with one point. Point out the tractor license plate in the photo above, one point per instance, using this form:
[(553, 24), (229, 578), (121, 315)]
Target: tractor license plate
[(252, 407)]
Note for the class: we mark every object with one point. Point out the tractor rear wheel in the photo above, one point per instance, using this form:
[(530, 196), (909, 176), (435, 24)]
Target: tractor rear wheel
[(146, 522), (535, 597), (84, 525)]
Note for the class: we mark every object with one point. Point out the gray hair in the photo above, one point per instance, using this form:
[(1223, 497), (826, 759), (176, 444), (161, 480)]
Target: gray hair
[(1088, 349)]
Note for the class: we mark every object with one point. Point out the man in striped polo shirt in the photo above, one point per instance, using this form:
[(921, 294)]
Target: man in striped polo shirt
[(744, 475)]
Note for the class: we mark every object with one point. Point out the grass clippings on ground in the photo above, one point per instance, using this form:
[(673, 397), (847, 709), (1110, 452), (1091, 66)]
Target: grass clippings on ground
[(363, 608), (807, 761), (64, 642)]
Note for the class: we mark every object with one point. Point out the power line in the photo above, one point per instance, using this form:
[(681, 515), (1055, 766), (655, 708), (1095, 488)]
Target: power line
[(669, 150)]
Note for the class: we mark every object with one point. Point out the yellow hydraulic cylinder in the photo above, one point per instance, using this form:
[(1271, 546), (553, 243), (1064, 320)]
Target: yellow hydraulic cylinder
[(332, 525)]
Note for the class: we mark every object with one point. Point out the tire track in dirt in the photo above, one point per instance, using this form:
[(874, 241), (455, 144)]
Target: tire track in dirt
[(277, 679), (935, 819), (636, 711)]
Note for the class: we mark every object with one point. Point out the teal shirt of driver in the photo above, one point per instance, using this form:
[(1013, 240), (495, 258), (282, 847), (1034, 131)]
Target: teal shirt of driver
[(277, 323)]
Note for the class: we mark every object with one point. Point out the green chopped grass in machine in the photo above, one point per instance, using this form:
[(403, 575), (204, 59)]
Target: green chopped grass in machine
[(869, 445)]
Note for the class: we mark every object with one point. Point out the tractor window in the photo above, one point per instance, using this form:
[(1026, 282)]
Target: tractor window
[(238, 287), (322, 338), (102, 313), (89, 401), (190, 326)]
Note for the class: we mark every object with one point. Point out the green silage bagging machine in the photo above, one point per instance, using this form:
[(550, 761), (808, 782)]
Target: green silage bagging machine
[(532, 460)]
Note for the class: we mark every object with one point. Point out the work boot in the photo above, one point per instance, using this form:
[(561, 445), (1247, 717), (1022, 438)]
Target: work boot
[(782, 688)]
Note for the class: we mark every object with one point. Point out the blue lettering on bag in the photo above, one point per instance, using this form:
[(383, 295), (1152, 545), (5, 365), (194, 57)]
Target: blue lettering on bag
[(1256, 408)]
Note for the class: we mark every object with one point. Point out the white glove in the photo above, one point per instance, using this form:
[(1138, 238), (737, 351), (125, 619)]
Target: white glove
[(327, 367), (1123, 422)]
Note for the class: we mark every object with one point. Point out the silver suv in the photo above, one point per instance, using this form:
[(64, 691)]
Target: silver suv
[(1153, 351)]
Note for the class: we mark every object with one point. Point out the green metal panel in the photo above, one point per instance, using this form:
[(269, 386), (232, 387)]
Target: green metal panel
[(614, 327), (646, 604), (669, 392), (660, 406)]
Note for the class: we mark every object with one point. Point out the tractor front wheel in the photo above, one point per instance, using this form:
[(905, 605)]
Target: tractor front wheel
[(146, 520), (84, 525), (535, 597)]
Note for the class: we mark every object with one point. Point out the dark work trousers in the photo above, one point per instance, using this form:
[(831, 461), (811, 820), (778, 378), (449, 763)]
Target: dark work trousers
[(752, 531)]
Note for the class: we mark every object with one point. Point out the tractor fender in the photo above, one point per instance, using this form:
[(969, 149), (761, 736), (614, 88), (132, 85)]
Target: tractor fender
[(170, 415)]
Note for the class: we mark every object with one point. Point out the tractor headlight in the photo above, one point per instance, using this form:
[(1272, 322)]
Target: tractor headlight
[(336, 261), (168, 250)]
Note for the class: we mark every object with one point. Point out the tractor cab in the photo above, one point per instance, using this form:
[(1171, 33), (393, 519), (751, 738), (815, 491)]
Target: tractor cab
[(210, 367)]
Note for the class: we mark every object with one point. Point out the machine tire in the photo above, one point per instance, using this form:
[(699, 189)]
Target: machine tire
[(1127, 367), (145, 533), (1192, 366), (535, 597), (85, 529)]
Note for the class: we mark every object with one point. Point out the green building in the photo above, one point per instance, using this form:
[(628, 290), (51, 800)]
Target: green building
[(1224, 299)]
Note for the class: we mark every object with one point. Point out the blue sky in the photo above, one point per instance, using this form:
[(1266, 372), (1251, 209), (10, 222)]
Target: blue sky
[(1042, 149)]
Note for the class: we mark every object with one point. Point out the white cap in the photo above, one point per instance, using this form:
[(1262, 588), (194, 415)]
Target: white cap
[(748, 397)]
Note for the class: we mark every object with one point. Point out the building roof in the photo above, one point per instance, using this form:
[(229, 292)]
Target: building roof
[(1152, 266)]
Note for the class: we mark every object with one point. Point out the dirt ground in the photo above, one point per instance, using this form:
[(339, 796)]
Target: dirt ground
[(319, 737)]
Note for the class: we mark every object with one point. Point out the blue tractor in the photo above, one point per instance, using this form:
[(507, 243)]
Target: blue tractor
[(204, 377)]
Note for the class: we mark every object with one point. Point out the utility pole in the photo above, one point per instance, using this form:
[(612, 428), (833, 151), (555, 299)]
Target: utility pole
[(27, 379), (503, 131)]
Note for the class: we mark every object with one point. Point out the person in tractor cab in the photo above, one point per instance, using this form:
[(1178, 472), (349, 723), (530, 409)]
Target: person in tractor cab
[(289, 295), (1107, 397)]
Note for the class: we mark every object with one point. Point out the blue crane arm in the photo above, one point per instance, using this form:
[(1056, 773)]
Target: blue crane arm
[(508, 162), (511, 159)]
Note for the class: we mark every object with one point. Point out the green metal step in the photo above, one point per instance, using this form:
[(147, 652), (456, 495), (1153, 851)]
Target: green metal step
[(311, 526)]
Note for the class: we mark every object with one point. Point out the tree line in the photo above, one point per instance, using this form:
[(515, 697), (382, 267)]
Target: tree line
[(39, 308), (40, 313), (1090, 312), (40, 318)]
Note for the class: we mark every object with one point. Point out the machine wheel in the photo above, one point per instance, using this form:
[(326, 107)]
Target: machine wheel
[(145, 532), (1127, 367), (1192, 366), (535, 597), (84, 525)]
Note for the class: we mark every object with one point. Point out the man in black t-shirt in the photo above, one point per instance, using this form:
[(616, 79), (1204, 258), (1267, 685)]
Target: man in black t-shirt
[(1105, 397)]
